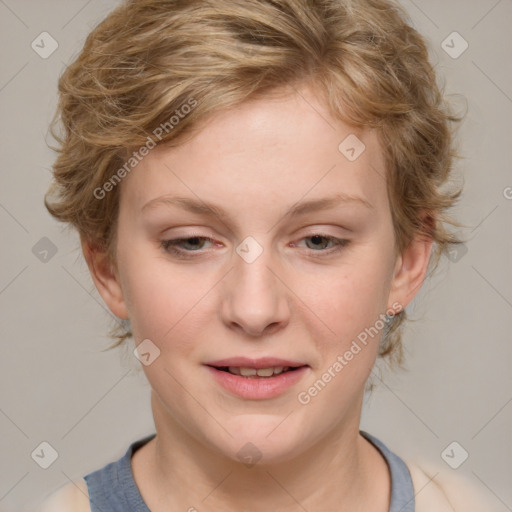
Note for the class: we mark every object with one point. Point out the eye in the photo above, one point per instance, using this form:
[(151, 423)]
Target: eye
[(194, 244), (320, 242), (185, 247)]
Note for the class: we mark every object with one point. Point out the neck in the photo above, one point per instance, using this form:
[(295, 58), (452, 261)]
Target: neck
[(339, 472)]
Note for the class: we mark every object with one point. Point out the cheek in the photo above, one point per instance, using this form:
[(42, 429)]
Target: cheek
[(151, 297), (164, 303), (350, 305), (350, 299)]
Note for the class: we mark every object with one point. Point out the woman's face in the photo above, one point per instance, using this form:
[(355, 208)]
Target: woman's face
[(286, 260)]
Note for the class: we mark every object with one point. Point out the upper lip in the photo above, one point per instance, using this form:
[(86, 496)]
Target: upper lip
[(247, 362)]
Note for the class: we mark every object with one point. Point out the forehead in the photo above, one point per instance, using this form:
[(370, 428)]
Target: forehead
[(276, 150)]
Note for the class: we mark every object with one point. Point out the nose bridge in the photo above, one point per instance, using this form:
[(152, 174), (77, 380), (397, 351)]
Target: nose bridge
[(254, 299)]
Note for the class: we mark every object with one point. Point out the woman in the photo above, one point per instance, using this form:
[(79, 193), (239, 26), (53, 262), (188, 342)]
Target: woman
[(257, 188)]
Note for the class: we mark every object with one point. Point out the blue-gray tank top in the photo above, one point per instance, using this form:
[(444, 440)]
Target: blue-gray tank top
[(113, 488)]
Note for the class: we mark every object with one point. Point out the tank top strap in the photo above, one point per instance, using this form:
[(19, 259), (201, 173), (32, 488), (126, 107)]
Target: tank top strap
[(402, 490), (113, 487)]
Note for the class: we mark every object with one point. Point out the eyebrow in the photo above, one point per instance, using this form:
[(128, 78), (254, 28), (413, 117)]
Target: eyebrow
[(301, 208)]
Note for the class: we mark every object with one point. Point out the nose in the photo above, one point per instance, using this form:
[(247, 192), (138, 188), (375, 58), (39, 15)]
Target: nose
[(254, 298)]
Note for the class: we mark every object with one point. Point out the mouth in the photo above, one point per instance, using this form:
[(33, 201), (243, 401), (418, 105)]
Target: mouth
[(257, 379), (256, 373)]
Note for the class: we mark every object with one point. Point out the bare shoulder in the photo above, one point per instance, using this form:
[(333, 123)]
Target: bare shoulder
[(71, 497), (444, 490)]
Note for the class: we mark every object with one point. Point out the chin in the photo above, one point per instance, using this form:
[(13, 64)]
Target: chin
[(265, 440)]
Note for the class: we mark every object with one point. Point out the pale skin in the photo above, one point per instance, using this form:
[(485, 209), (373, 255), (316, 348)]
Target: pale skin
[(256, 162)]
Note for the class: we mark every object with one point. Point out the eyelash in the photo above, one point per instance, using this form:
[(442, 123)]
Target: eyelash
[(170, 246)]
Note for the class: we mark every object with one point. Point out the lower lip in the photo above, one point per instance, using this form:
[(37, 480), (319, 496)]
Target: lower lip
[(258, 388)]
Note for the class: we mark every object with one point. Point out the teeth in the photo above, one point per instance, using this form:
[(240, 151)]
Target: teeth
[(260, 372), (265, 372), (247, 372)]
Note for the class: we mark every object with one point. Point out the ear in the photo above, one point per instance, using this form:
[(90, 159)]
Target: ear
[(410, 270), (105, 278)]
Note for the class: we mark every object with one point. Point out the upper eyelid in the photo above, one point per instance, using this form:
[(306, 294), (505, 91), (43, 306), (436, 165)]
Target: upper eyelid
[(177, 240), (206, 237)]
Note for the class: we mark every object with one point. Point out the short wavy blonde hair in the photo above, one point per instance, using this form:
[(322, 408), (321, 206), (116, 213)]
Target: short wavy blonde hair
[(147, 58)]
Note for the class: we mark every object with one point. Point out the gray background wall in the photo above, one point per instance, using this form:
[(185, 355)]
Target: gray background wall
[(57, 385)]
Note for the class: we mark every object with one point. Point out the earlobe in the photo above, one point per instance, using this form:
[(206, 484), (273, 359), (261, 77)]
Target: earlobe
[(410, 270), (105, 279)]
